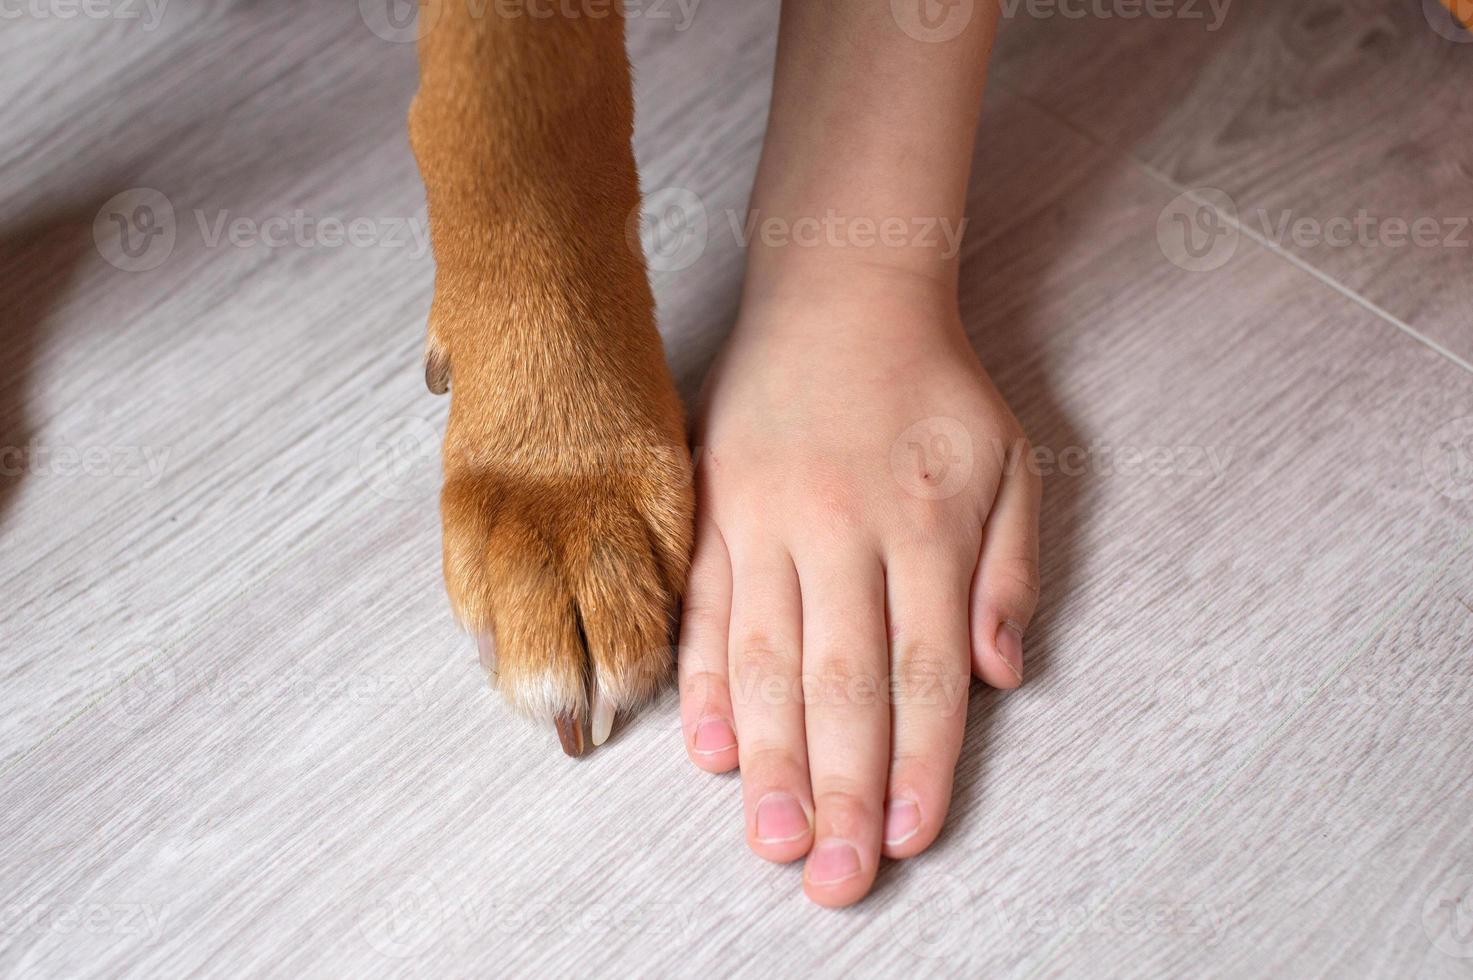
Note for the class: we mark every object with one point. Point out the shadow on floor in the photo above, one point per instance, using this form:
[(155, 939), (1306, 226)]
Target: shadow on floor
[(38, 261), (230, 152)]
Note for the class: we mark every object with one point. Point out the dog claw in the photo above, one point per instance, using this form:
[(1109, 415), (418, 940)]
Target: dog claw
[(437, 371), (603, 718), (570, 733), (486, 653)]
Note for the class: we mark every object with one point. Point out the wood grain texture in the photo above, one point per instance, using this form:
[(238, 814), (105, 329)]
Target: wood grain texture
[(241, 735), (1349, 116)]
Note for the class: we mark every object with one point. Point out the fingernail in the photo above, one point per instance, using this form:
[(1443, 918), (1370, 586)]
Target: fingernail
[(713, 734), (780, 818), (902, 820), (832, 861), (1010, 647)]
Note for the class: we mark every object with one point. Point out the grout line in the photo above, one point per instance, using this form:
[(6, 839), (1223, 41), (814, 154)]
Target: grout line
[(1266, 740), (1262, 745), (1303, 264), (1274, 248)]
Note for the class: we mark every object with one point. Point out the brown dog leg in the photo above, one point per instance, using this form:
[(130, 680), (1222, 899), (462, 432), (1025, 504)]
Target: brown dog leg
[(567, 496)]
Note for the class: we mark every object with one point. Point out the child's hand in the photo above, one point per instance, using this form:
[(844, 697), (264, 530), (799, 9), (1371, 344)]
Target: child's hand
[(866, 530)]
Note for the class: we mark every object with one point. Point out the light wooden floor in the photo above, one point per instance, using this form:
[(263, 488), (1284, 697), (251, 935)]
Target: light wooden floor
[(242, 736)]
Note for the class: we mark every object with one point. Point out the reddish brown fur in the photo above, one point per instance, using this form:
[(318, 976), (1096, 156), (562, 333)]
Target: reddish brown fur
[(567, 496)]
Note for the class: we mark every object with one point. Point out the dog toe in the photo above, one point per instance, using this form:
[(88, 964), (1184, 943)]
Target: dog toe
[(570, 604), (625, 613)]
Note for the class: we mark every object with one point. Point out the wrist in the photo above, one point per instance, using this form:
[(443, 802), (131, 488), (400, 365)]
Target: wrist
[(840, 267), (836, 245), (843, 297)]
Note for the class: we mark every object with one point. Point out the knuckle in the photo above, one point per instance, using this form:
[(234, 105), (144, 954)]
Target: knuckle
[(704, 688), (846, 811), (919, 772), (1002, 445), (768, 763), (1013, 581), (928, 521), (762, 672), (1013, 440), (700, 617), (1012, 457), (927, 675), (834, 503), (837, 680), (760, 654)]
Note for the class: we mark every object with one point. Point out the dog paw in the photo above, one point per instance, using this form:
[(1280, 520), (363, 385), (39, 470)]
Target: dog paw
[(566, 543), (568, 582)]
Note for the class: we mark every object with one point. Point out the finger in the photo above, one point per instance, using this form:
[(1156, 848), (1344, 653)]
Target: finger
[(705, 697), (764, 652), (847, 714), (1005, 589), (930, 674)]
